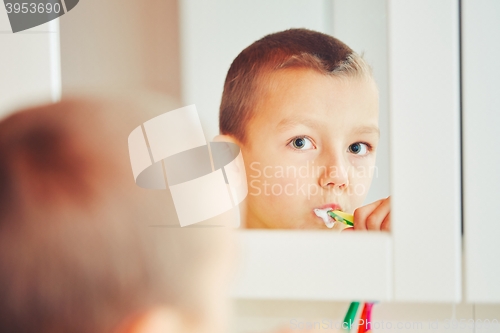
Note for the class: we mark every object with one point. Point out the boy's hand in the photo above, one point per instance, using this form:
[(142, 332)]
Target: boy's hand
[(375, 216)]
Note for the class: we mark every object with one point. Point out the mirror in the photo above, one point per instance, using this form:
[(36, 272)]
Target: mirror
[(302, 164)]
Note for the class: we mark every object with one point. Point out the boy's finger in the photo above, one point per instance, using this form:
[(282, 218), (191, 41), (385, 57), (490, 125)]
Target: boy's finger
[(361, 214), (386, 224), (374, 221)]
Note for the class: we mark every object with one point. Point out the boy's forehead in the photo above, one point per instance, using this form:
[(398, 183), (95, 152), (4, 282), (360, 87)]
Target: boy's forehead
[(304, 96)]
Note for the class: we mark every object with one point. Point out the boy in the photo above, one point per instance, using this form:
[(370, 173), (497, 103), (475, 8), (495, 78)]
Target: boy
[(303, 107), (72, 256)]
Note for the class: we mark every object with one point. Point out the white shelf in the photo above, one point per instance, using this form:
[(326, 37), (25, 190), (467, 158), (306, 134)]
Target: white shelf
[(314, 265)]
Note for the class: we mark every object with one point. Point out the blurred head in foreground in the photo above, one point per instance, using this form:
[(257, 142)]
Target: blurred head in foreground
[(72, 256)]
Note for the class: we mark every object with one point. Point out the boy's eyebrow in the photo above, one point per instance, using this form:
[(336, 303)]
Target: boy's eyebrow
[(290, 122), (367, 130)]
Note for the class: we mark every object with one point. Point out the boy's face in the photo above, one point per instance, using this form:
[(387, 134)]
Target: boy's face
[(310, 144)]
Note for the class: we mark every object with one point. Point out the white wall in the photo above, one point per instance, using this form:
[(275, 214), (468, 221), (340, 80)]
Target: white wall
[(481, 120), (29, 65)]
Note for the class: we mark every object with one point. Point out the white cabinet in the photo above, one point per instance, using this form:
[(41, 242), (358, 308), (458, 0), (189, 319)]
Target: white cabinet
[(314, 265), (424, 94), (481, 149)]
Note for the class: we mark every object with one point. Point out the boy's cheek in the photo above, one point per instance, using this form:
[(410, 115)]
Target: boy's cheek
[(364, 166), (358, 192), (361, 178), (270, 202), (279, 200), (275, 188)]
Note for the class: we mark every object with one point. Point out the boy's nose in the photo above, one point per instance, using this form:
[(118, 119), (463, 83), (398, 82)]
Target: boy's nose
[(335, 175)]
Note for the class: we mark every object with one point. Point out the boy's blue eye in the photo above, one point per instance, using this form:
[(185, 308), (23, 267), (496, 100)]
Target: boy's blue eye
[(359, 148), (301, 143)]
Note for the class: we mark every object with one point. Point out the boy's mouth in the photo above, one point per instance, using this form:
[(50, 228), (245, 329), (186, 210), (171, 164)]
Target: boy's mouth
[(333, 206), (327, 219), (321, 212)]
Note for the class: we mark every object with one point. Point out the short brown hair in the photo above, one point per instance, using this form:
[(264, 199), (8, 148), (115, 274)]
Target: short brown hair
[(293, 48), (74, 253)]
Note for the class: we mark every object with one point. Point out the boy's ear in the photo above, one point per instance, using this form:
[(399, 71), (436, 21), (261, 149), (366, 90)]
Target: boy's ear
[(226, 138)]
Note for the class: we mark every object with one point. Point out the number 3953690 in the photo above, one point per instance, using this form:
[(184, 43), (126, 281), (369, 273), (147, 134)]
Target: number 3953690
[(32, 8)]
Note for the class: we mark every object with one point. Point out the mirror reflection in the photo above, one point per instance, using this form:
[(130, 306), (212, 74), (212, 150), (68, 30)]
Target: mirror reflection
[(303, 107)]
